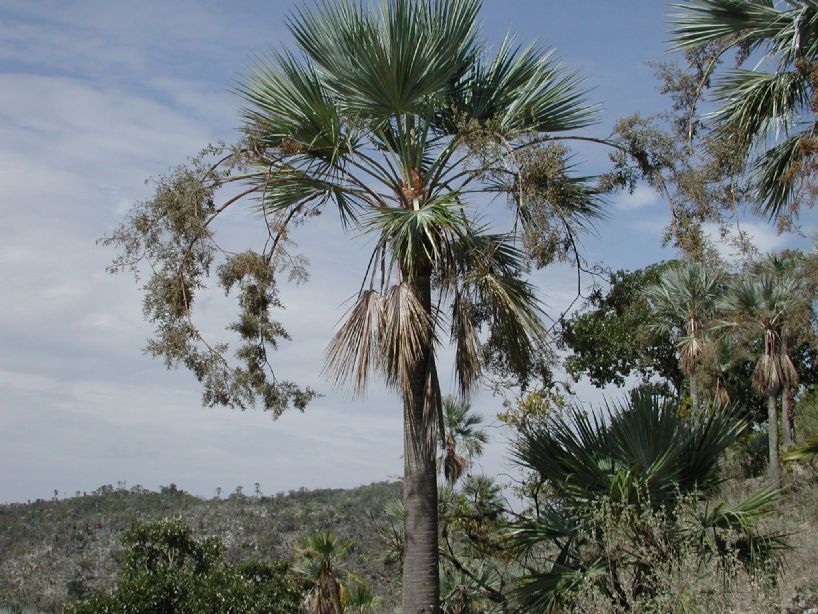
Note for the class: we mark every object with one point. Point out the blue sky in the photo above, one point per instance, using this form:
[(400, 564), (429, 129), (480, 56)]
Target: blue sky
[(95, 97)]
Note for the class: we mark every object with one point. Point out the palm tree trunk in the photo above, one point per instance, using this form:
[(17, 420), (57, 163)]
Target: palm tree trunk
[(421, 582), (694, 392), (786, 414), (773, 466)]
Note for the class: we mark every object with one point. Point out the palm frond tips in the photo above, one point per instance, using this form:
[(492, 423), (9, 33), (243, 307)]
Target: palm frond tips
[(518, 91), (699, 22), (392, 62), (290, 107), (351, 354)]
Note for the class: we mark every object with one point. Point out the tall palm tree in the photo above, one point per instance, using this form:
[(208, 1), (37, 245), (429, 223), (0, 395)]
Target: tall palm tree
[(757, 306), (461, 428), (683, 303), (770, 110), (397, 116)]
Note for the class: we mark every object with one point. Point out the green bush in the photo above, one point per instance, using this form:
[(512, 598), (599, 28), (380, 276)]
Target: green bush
[(626, 493), (167, 570)]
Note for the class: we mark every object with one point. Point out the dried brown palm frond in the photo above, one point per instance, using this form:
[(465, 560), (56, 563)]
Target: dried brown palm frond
[(467, 361), (789, 374), (767, 376), (404, 335), (351, 353), (453, 464)]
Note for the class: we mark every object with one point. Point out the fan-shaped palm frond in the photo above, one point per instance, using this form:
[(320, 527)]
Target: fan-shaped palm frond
[(641, 452)]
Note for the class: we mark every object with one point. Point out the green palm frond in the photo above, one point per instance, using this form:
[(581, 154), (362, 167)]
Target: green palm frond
[(549, 526), (806, 451), (774, 173), (520, 91), (390, 63), (757, 102), (700, 22), (641, 451), (544, 593), (421, 234), (288, 104), (753, 548)]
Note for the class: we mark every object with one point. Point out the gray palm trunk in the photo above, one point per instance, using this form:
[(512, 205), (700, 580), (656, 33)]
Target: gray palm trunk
[(786, 415), (421, 582), (694, 391), (774, 466)]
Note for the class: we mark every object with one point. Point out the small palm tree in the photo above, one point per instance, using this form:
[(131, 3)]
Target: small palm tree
[(773, 99), (461, 428), (683, 303), (320, 555), (758, 307)]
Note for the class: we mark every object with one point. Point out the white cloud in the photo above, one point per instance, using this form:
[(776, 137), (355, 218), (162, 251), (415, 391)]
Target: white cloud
[(642, 197)]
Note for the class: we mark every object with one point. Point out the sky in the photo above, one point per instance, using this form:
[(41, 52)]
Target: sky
[(98, 96)]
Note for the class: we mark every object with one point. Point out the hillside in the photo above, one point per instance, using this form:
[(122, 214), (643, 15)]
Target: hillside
[(51, 551)]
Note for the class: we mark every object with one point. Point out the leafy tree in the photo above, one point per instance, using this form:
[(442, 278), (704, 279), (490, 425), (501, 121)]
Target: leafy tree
[(610, 338), (625, 475), (683, 304), (396, 117), (461, 427), (775, 97), (168, 571)]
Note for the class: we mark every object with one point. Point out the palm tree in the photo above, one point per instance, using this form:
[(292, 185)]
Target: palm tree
[(319, 556), (770, 114), (758, 306), (683, 304), (461, 428), (784, 270), (397, 117)]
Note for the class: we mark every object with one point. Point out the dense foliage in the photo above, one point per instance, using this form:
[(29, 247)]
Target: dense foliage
[(637, 461), (167, 570)]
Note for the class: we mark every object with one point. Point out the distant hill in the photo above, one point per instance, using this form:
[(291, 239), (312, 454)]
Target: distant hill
[(53, 551)]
